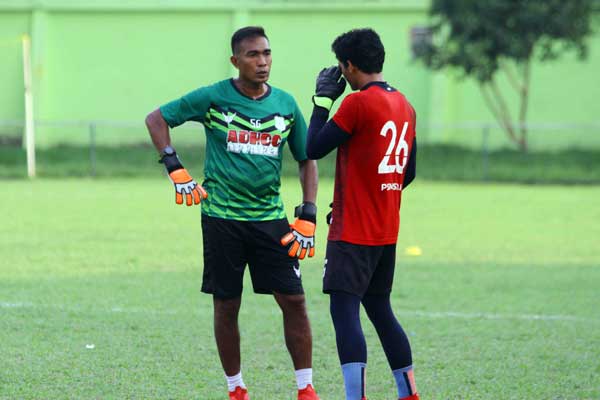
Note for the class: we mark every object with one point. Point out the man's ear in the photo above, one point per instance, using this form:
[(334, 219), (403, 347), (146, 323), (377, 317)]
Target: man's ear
[(350, 67), (234, 61)]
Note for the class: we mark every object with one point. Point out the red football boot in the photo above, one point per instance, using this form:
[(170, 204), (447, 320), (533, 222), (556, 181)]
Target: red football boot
[(239, 394), (411, 397), (308, 393)]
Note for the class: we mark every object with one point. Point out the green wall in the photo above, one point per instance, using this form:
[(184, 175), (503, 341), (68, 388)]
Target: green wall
[(12, 26), (116, 61), (301, 49)]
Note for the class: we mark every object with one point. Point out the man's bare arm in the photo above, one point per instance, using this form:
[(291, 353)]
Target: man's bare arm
[(185, 185), (158, 129), (309, 180)]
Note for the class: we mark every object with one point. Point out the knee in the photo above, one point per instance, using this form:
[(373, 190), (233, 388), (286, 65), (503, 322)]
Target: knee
[(378, 308), (293, 304), (227, 310), (345, 310)]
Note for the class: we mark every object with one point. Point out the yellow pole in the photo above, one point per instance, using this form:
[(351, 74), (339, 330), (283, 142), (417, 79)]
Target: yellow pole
[(29, 123)]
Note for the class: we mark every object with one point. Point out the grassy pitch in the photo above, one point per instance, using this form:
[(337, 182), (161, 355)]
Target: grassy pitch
[(99, 296)]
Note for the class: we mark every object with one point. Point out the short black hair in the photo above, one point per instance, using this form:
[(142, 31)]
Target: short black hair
[(362, 47), (245, 33)]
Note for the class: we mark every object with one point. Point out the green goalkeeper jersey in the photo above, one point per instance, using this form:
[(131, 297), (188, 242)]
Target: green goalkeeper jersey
[(244, 147)]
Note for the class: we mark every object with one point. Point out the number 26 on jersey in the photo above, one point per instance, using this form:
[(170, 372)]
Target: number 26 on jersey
[(396, 147)]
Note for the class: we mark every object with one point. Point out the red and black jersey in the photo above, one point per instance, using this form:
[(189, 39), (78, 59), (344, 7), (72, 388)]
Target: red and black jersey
[(371, 165)]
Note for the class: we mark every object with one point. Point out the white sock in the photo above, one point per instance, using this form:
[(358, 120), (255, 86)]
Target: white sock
[(303, 377), (235, 381)]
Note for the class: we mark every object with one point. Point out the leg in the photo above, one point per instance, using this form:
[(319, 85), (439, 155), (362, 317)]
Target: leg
[(392, 336), (394, 341), (298, 337), (224, 263), (298, 340), (275, 273), (351, 345), (348, 271), (227, 333)]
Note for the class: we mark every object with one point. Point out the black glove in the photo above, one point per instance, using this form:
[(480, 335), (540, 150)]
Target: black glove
[(330, 86), (329, 216), (306, 211)]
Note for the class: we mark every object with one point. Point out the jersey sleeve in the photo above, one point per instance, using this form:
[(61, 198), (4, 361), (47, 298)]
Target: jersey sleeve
[(191, 107), (323, 136), (297, 137), (346, 116)]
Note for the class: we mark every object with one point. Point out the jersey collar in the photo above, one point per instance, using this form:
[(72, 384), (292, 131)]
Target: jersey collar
[(381, 84), (264, 96)]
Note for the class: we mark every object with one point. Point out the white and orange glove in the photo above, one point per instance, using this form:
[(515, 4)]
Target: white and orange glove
[(184, 184), (301, 239)]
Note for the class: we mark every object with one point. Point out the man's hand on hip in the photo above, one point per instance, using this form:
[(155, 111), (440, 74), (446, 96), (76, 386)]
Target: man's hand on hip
[(183, 182), (186, 185)]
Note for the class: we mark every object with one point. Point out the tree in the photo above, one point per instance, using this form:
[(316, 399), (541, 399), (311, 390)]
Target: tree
[(485, 38)]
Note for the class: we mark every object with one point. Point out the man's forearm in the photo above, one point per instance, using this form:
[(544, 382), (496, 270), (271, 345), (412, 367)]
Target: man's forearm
[(323, 136), (158, 129), (318, 119), (309, 180)]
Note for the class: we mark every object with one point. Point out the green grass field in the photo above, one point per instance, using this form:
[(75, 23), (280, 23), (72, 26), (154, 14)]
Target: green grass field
[(434, 162), (504, 302)]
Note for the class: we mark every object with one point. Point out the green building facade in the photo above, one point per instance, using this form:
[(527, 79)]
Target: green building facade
[(115, 61)]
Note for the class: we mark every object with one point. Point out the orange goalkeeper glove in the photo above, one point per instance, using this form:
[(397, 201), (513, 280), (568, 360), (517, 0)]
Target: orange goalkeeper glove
[(302, 235), (183, 182)]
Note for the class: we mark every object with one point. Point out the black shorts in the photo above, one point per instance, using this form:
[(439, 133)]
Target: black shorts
[(359, 269), (229, 245)]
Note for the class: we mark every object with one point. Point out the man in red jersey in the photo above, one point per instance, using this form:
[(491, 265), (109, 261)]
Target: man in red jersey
[(374, 132)]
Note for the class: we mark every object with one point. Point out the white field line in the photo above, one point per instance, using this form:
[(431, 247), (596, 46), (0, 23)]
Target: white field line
[(493, 316), (274, 310)]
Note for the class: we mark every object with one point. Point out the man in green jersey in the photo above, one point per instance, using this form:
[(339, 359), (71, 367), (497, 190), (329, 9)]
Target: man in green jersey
[(247, 123)]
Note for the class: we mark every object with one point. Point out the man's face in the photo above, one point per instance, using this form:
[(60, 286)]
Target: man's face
[(253, 59), (347, 72)]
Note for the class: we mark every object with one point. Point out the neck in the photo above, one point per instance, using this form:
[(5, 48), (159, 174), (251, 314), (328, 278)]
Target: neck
[(365, 79), (250, 89)]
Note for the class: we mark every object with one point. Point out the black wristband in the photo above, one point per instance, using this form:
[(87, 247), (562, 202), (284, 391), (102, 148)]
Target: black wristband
[(306, 211), (171, 162)]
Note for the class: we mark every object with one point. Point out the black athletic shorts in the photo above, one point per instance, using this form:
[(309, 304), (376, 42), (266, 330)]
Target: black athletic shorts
[(229, 245), (359, 269)]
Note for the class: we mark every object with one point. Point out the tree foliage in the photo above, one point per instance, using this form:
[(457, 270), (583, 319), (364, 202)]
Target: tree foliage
[(484, 38)]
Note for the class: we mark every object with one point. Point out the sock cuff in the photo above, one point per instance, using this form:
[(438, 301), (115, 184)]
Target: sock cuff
[(405, 382), (355, 379), (304, 371), (354, 364), (401, 370), (304, 377), (234, 381), (236, 376)]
